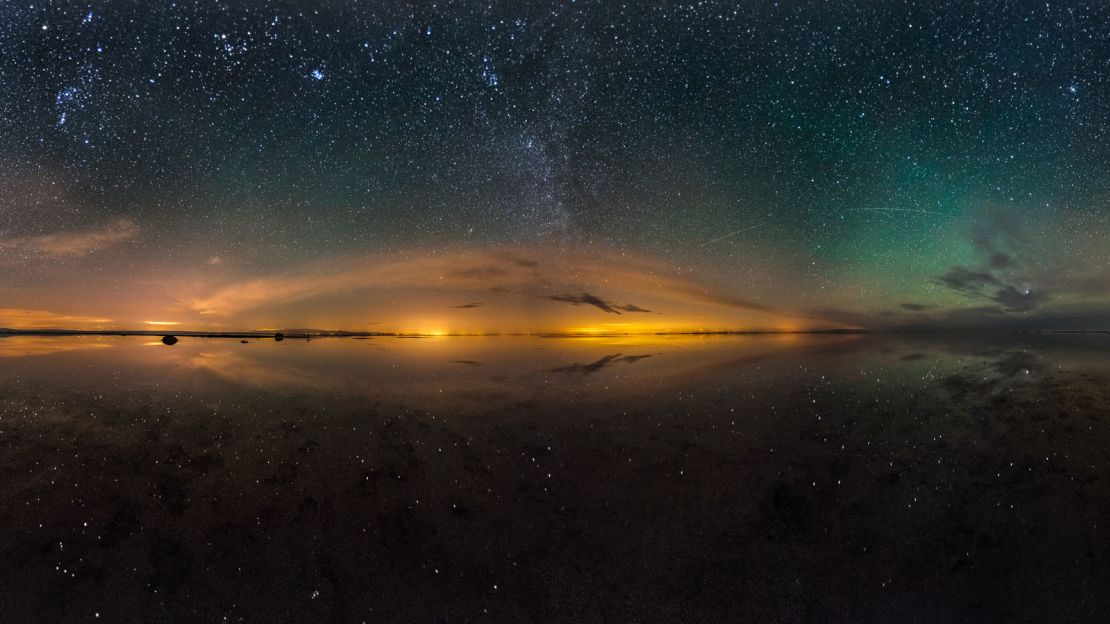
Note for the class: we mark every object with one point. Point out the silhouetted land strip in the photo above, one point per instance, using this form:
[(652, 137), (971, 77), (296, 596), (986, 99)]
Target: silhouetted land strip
[(1066, 331), (354, 334), (188, 334)]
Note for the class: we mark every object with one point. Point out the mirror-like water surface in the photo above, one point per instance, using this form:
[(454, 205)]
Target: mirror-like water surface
[(745, 478)]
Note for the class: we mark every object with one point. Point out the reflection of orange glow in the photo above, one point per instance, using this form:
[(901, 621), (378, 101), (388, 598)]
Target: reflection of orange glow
[(251, 371), (618, 328), (161, 323), (19, 346), (613, 329), (434, 333)]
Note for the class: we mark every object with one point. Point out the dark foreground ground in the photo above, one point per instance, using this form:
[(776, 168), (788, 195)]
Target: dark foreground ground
[(727, 479)]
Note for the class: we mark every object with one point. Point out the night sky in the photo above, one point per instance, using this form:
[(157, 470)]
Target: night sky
[(569, 166)]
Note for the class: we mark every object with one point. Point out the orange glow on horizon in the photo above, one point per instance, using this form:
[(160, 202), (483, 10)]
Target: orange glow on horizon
[(458, 291)]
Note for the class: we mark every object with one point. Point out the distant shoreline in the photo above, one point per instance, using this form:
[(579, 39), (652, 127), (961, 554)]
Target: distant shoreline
[(351, 334), (301, 334)]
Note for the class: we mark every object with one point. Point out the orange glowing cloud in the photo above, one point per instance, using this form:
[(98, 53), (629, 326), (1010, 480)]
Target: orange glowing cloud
[(493, 289), (18, 318)]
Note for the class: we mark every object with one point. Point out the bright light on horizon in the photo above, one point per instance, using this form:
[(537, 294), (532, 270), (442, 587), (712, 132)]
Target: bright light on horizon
[(161, 323)]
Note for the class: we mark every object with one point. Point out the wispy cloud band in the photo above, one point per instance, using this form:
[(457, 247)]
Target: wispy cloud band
[(70, 244)]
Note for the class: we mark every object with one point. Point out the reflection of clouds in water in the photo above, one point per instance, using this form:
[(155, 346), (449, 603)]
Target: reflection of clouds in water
[(468, 373), (805, 452), (1005, 373), (465, 372), (19, 346), (593, 367), (242, 370), (1019, 363)]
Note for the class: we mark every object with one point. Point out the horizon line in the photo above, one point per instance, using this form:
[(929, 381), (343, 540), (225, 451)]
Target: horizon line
[(341, 333)]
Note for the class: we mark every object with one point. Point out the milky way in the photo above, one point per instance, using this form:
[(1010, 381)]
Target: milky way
[(740, 165)]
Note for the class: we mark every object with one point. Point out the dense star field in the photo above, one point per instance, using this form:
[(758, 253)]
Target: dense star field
[(539, 166)]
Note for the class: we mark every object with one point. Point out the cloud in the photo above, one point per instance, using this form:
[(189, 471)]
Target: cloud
[(343, 276), (916, 307), (966, 280), (1015, 264), (1019, 300), (1011, 297), (19, 318), (499, 271), (522, 262), (74, 244), (412, 285), (481, 273), (1001, 260), (466, 306), (1025, 272), (586, 298)]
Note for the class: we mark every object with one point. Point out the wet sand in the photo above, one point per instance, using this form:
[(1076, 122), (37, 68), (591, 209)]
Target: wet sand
[(659, 479)]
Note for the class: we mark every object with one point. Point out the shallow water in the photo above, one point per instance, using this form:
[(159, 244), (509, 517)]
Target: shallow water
[(642, 479)]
